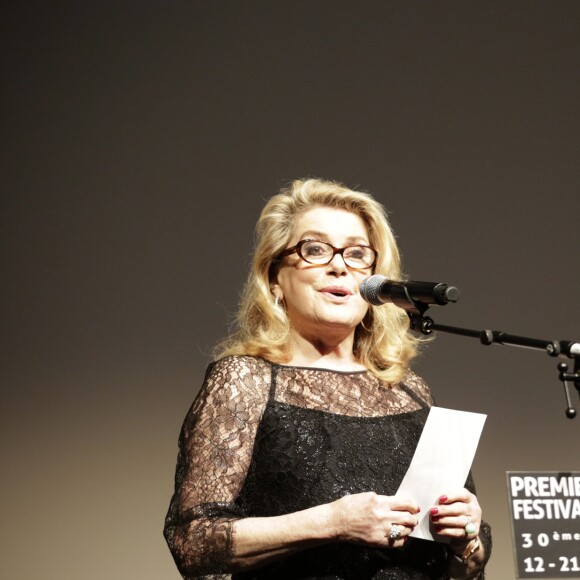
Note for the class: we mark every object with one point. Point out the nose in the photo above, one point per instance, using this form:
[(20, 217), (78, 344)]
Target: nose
[(337, 264)]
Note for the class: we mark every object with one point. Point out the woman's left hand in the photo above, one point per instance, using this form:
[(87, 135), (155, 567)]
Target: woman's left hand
[(456, 516)]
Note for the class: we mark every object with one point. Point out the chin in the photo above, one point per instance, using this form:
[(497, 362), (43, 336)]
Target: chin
[(339, 321)]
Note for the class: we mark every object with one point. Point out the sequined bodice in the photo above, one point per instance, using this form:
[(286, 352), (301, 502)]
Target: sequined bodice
[(304, 457)]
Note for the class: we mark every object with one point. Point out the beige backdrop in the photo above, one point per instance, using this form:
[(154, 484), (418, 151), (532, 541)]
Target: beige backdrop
[(140, 141)]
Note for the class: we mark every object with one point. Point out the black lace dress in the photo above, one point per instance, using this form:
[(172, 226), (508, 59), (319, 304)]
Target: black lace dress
[(263, 440)]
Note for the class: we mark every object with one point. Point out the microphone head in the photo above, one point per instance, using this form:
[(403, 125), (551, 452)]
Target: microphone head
[(369, 289)]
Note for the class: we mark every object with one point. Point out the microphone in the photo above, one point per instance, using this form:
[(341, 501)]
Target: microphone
[(379, 290)]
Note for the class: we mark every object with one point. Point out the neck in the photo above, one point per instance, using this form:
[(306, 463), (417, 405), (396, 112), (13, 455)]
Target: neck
[(333, 352)]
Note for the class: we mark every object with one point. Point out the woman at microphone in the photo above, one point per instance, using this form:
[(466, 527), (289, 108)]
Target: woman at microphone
[(292, 453)]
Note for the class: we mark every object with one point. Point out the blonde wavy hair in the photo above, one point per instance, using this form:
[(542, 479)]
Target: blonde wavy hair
[(382, 341)]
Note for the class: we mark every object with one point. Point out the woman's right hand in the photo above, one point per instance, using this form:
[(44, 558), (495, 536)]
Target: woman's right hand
[(368, 518)]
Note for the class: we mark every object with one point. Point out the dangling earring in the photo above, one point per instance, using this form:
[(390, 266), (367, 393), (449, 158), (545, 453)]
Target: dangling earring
[(278, 297), (278, 301)]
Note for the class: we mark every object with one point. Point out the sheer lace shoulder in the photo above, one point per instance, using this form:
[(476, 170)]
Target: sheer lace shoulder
[(419, 387), (358, 394), (215, 451)]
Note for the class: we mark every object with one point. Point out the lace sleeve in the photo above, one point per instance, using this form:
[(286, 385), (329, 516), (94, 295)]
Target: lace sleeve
[(215, 450)]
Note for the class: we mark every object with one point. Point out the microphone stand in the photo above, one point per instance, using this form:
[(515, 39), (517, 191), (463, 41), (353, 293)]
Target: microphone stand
[(425, 325)]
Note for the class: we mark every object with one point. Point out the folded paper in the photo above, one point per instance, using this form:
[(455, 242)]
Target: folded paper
[(442, 460)]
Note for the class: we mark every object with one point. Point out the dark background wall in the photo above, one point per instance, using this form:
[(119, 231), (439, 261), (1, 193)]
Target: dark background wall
[(140, 140)]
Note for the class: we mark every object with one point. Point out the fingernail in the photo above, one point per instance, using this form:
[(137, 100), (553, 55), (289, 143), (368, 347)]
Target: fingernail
[(438, 528), (418, 509), (434, 511), (443, 499)]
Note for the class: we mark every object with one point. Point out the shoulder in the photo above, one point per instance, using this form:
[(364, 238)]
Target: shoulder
[(241, 370), (233, 383), (418, 385), (240, 364)]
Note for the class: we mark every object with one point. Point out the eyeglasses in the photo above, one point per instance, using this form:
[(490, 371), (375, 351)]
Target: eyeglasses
[(321, 253)]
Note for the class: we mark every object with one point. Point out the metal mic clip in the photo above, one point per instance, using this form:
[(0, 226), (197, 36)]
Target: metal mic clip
[(565, 376)]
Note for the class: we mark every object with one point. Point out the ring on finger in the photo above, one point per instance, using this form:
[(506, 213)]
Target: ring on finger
[(469, 527), (395, 532)]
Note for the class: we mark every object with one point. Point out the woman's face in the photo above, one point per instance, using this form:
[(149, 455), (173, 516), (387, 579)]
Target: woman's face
[(319, 296)]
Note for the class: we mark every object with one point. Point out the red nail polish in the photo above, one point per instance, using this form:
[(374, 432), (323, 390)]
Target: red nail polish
[(418, 509), (435, 518), (434, 511), (443, 499), (438, 528)]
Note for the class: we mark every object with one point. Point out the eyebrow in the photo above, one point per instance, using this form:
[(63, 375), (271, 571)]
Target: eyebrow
[(322, 237)]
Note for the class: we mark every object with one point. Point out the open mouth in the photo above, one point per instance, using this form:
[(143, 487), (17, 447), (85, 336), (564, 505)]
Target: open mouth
[(338, 292)]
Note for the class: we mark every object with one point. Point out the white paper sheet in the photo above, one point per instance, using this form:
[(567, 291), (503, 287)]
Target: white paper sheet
[(442, 460)]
